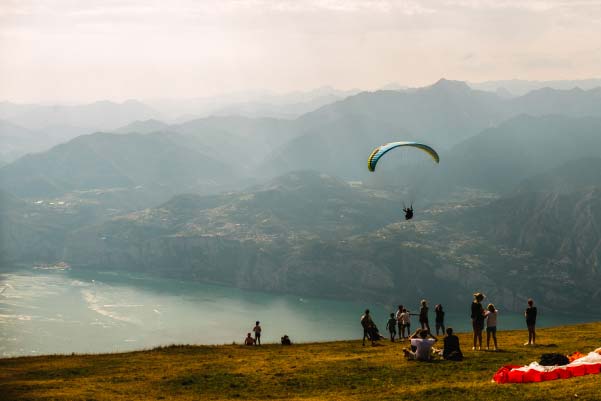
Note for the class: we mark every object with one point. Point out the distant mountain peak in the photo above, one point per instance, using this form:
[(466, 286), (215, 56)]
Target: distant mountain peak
[(446, 85)]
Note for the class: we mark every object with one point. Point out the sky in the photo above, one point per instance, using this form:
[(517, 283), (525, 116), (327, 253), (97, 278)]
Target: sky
[(85, 50)]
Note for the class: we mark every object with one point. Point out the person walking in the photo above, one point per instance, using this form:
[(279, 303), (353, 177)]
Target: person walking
[(477, 319), (530, 315)]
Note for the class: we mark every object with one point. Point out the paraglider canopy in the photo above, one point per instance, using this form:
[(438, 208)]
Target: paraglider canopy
[(380, 151)]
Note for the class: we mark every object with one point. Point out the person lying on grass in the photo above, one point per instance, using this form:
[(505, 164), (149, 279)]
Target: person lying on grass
[(423, 345)]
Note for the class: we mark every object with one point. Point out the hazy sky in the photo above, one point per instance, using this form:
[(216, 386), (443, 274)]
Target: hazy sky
[(105, 49)]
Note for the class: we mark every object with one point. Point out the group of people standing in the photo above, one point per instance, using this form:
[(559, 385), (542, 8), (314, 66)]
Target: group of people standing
[(479, 316), (401, 320), (423, 340), (489, 315)]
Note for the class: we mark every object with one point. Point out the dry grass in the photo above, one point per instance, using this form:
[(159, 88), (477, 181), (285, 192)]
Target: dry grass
[(320, 371)]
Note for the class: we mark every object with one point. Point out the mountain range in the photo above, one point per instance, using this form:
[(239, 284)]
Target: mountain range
[(288, 204)]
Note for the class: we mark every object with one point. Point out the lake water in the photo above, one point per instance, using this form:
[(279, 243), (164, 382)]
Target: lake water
[(58, 312)]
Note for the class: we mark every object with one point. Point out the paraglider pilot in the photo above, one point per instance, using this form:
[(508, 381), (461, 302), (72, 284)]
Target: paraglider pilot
[(408, 212)]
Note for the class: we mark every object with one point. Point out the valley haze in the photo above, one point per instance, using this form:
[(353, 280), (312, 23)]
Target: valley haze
[(175, 176), (287, 205)]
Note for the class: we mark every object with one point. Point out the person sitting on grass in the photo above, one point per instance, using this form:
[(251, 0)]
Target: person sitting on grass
[(451, 350), (391, 327), (286, 340), (423, 345), (249, 340)]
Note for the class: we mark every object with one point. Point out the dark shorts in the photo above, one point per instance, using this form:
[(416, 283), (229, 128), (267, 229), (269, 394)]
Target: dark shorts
[(531, 325), (492, 329), (477, 325)]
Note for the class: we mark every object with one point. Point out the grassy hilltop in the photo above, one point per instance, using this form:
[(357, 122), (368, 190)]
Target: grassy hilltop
[(342, 370)]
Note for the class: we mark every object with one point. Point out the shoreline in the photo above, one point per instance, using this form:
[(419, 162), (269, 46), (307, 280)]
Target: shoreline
[(386, 341)]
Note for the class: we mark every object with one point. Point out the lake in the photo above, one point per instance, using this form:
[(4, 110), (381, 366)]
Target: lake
[(60, 312)]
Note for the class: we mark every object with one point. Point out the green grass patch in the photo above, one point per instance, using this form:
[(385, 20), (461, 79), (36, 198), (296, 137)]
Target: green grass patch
[(343, 370)]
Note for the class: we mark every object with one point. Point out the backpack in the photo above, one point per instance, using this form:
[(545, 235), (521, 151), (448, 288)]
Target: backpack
[(553, 359)]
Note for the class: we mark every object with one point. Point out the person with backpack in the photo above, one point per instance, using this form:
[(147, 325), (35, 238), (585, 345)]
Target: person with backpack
[(367, 325)]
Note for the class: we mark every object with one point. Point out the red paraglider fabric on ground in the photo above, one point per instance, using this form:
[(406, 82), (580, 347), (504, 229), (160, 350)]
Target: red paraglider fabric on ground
[(586, 365)]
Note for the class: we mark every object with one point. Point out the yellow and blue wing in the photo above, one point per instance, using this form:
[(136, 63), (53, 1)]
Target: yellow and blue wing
[(380, 151)]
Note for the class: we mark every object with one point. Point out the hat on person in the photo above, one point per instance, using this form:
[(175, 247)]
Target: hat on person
[(479, 295)]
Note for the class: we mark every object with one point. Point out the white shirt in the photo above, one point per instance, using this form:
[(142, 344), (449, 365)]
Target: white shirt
[(423, 346), (405, 318), (398, 315), (491, 318)]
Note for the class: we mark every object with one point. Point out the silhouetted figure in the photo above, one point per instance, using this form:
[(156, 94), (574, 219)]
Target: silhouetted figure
[(530, 315), (367, 325), (439, 319), (408, 212), (423, 316), (451, 350), (477, 319), (391, 327), (257, 329)]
